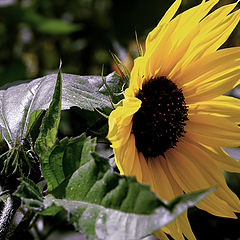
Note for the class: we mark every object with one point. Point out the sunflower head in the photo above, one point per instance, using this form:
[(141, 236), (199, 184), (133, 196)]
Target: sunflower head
[(175, 119), (159, 123)]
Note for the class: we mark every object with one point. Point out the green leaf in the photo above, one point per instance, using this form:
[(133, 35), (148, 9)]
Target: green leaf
[(61, 161), (34, 116), (79, 91), (30, 193), (103, 204), (51, 120), (105, 223), (99, 222)]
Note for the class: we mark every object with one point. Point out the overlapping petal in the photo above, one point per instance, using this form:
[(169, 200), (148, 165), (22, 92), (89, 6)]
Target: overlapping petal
[(210, 34), (120, 124), (190, 178), (223, 106), (213, 130), (174, 38), (211, 76)]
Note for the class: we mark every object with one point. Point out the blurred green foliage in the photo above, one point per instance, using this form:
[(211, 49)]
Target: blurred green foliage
[(35, 34)]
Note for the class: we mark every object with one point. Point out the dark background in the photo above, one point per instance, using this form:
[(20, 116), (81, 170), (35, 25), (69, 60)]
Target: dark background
[(36, 34)]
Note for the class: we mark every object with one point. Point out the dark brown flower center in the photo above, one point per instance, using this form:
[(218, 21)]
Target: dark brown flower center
[(160, 121)]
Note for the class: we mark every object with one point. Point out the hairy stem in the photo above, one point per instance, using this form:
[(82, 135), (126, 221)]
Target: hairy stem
[(8, 212)]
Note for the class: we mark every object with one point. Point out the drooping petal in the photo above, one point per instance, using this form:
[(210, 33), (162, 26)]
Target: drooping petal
[(147, 176), (120, 121), (184, 224), (129, 153), (209, 169), (127, 159), (160, 178), (161, 235), (190, 178), (165, 186)]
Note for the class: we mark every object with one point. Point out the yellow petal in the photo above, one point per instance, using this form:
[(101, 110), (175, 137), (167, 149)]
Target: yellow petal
[(181, 225), (155, 173), (147, 175), (160, 179), (127, 159), (165, 186), (225, 161), (209, 170), (218, 26), (120, 121), (222, 106), (213, 130), (152, 36), (174, 231), (170, 13), (220, 157), (191, 179), (161, 235), (172, 41), (136, 78), (128, 156), (184, 224), (209, 35), (211, 76)]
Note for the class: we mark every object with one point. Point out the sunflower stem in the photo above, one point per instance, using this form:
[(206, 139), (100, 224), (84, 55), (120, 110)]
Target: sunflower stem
[(105, 83), (8, 212)]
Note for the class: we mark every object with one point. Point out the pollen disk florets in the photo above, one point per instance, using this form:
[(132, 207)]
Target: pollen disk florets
[(159, 123)]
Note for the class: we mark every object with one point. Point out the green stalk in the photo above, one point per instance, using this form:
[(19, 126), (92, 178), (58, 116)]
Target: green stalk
[(11, 206)]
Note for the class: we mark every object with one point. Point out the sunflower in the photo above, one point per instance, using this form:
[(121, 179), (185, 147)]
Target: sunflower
[(175, 119)]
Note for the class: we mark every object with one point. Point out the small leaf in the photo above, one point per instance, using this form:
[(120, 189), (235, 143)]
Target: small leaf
[(88, 147), (34, 116), (30, 193), (60, 162), (51, 120)]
